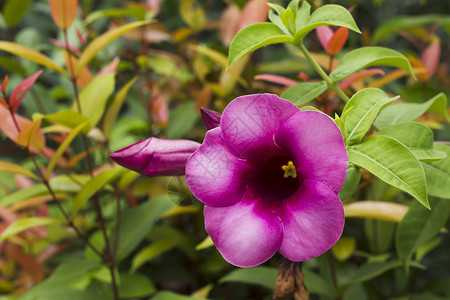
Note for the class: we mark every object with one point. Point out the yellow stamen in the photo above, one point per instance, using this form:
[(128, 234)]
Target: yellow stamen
[(289, 170)]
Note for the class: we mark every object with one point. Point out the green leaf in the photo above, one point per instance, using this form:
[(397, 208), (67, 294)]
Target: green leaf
[(419, 226), (351, 182), (404, 112), (317, 285), (64, 146), (344, 248), (329, 14), (181, 120), (150, 252), (438, 174), (94, 96), (254, 37), (371, 270), (14, 10), (288, 19), (262, 276), (193, 14), (16, 169), (24, 224), (32, 55), (137, 222), (130, 11), (304, 92), (401, 23), (135, 286), (303, 15), (364, 57), (167, 295), (94, 185), (69, 119), (393, 163), (417, 137), (113, 110), (102, 41), (360, 112)]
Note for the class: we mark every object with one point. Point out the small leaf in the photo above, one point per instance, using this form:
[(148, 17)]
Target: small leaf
[(351, 182), (393, 163), (31, 54), (304, 92), (193, 14), (324, 33), (338, 40), (344, 248), (69, 119), (24, 224), (14, 10), (22, 89), (262, 276), (94, 96), (102, 41), (361, 110), (438, 174), (16, 169), (94, 185), (417, 137), (254, 37), (135, 286), (137, 222), (206, 243), (430, 57), (63, 12), (60, 151), (303, 15), (419, 226), (113, 110), (31, 137), (329, 14), (378, 210), (150, 252), (404, 112), (364, 57)]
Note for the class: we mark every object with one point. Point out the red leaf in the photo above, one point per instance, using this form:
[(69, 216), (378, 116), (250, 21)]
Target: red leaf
[(5, 82), (276, 79), (254, 11), (324, 33), (71, 48), (358, 76), (338, 40), (430, 57), (22, 89), (159, 107), (110, 68)]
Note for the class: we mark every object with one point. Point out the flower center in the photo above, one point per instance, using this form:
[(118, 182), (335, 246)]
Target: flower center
[(276, 179)]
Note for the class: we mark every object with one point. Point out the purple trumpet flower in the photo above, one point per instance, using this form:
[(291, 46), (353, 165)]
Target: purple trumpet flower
[(269, 175)]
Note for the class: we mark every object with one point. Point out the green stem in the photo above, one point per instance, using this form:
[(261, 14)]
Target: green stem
[(331, 84)]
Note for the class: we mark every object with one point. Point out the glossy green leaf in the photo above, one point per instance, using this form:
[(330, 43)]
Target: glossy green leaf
[(14, 10), (150, 252), (254, 37), (419, 226), (361, 110), (16, 169), (181, 119), (94, 96), (95, 184), (113, 110), (135, 286), (393, 163), (32, 55), (330, 14), (24, 224), (417, 137), (365, 57), (304, 92), (404, 112), (60, 151), (400, 23), (137, 222), (438, 174), (351, 182), (102, 41), (167, 295), (262, 276), (69, 119)]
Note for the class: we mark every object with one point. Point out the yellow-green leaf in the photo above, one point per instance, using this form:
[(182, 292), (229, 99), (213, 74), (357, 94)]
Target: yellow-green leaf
[(32, 55), (24, 224), (31, 137), (16, 169), (102, 41)]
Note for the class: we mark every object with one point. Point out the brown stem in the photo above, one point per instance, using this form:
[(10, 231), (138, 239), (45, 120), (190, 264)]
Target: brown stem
[(330, 64), (289, 282)]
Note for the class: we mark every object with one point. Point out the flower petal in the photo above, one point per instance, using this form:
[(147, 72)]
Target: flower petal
[(313, 220), (324, 33), (246, 233), (156, 157), (316, 145), (249, 123), (215, 175)]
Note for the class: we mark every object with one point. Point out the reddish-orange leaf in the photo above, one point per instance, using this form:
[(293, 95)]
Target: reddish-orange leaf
[(430, 57), (22, 89), (276, 79), (228, 23), (63, 12), (254, 11), (359, 76), (85, 75), (110, 68), (159, 107), (3, 102), (31, 137), (5, 82), (338, 40)]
